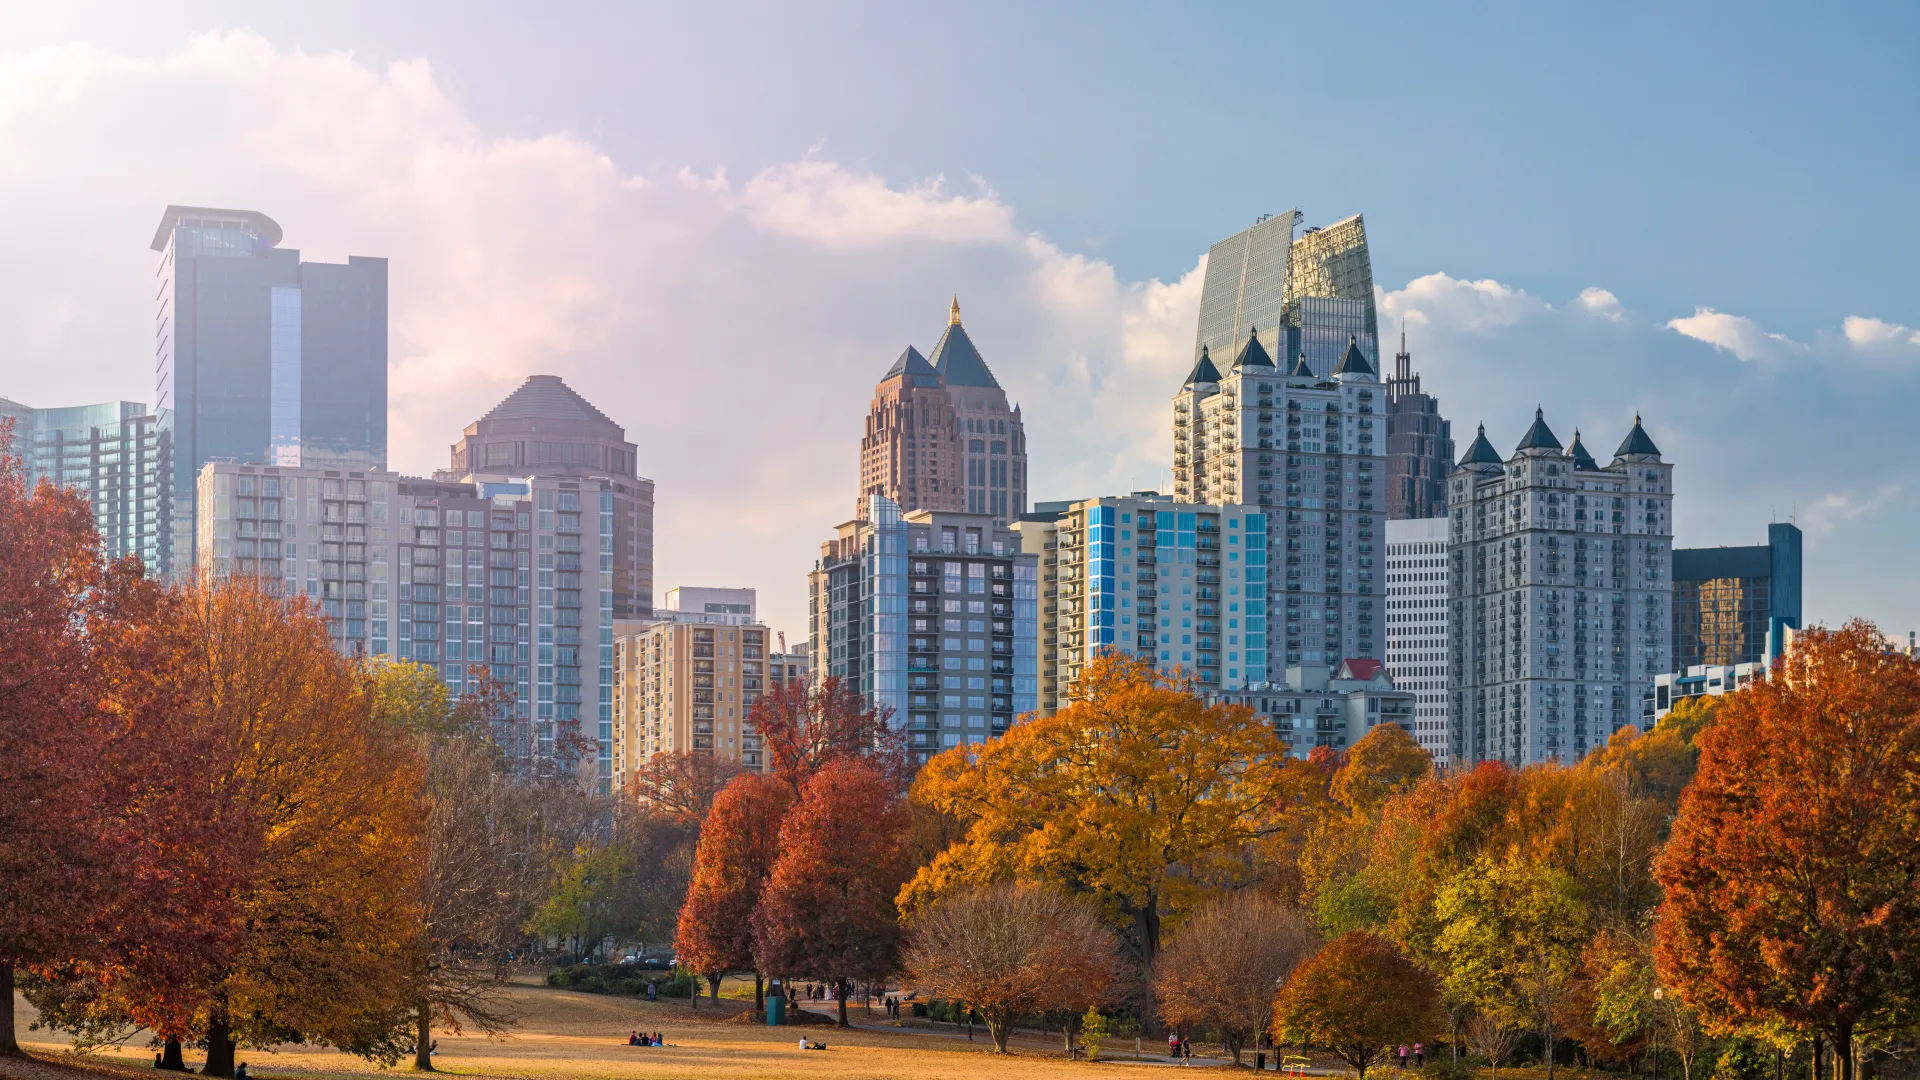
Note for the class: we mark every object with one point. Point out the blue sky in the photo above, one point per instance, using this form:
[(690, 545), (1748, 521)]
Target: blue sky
[(753, 190)]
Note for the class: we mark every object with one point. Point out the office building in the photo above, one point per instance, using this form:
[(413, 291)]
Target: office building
[(1701, 680), (1416, 606), (546, 429), (1039, 534), (690, 688), (695, 604), (1183, 585), (1310, 448), (260, 357), (1419, 445), (1321, 706), (113, 453), (941, 435), (1306, 298), (931, 616), (1561, 594), (1730, 602)]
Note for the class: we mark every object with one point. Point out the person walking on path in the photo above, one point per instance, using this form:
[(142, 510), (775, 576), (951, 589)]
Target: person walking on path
[(1403, 1056), (1419, 1055)]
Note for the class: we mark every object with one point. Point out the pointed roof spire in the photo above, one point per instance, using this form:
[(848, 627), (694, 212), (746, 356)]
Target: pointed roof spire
[(953, 312), (1539, 436), (1253, 354), (1481, 452), (1581, 459), (1204, 371), (1637, 442), (956, 359), (1355, 361), (915, 367), (1300, 368)]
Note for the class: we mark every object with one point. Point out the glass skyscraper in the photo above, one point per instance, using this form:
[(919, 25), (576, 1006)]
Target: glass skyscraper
[(113, 453), (260, 357), (1306, 296)]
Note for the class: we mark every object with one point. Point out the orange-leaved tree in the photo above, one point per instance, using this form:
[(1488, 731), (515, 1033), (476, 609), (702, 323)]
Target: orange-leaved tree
[(1792, 887), (1137, 793), (828, 910), (738, 848), (1357, 997)]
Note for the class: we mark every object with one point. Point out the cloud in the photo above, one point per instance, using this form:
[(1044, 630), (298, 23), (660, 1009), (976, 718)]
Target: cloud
[(1479, 306), (1600, 302), (1876, 335), (823, 202), (1736, 334), (1837, 508)]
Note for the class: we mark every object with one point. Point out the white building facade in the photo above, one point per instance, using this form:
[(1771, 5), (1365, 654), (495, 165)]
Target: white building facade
[(1416, 614), (1561, 594)]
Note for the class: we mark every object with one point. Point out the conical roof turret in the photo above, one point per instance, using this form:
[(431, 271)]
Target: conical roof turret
[(1253, 354), (1581, 459), (1637, 442), (1481, 452), (1204, 371), (1354, 362), (1539, 436)]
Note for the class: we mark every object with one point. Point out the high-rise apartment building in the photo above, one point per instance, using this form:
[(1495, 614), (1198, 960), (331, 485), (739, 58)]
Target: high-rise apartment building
[(260, 357), (932, 616), (940, 434), (1181, 584), (1419, 445), (1561, 594), (1317, 705), (1312, 448), (1305, 297), (698, 604), (1416, 606), (1730, 604), (690, 688), (113, 453), (546, 429)]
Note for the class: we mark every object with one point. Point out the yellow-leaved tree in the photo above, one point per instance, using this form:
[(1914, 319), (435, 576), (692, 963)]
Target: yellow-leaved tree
[(1137, 794)]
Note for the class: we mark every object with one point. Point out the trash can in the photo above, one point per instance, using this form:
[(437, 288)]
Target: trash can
[(776, 1005), (1260, 1061)]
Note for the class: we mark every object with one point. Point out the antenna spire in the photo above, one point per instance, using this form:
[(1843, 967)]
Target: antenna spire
[(953, 312)]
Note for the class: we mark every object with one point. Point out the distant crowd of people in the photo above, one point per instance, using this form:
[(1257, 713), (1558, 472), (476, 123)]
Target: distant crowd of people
[(638, 1039)]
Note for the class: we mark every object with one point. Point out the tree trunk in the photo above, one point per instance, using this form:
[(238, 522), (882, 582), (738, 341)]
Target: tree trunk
[(713, 987), (1546, 1034), (840, 992), (1843, 1051), (999, 1033), (1817, 1045), (423, 1037), (8, 1044), (759, 994), (171, 1058), (219, 1048)]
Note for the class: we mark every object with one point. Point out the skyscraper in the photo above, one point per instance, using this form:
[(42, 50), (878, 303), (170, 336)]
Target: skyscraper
[(261, 357), (1309, 446), (1417, 625), (1307, 296), (1419, 445), (546, 429), (1730, 602), (940, 434), (115, 455), (1561, 594)]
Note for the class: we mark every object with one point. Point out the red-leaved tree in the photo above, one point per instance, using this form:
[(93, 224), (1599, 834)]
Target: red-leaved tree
[(1792, 883), (738, 848), (803, 728), (828, 910), (681, 784)]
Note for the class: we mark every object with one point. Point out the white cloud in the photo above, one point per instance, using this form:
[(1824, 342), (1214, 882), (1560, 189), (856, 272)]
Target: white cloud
[(1736, 334), (1479, 306), (820, 201), (1875, 334), (1600, 302), (1834, 509)]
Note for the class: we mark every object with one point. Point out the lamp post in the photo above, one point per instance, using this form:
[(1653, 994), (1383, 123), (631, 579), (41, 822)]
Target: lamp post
[(1659, 995)]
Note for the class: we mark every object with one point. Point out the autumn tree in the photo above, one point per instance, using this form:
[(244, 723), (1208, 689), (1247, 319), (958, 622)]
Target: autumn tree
[(1792, 887), (805, 727), (738, 848), (1220, 969), (1136, 793), (1491, 1036), (828, 908), (1357, 997), (52, 859), (681, 784), (1512, 936), (1007, 949)]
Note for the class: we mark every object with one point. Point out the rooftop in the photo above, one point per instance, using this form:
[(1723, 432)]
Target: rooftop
[(262, 225)]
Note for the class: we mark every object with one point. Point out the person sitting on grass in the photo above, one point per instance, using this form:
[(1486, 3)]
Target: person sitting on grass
[(807, 1044), (633, 1038)]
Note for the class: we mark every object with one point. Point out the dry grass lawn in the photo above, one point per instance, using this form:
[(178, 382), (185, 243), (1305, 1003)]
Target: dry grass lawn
[(566, 1035)]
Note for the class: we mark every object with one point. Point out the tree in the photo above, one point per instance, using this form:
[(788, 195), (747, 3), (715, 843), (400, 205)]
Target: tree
[(828, 909), (1492, 1038), (803, 728), (1357, 998), (681, 784), (1009, 949), (1512, 939), (738, 848), (52, 859), (1792, 888), (1384, 763), (1136, 793), (1221, 968)]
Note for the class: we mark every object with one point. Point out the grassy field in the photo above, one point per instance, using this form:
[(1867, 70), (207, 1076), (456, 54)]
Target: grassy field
[(566, 1035)]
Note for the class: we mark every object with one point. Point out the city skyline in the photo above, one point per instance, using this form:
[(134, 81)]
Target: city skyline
[(836, 256)]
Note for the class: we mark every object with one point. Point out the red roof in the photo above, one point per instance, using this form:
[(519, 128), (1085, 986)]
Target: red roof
[(1358, 667)]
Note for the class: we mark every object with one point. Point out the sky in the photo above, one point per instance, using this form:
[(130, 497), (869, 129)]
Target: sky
[(721, 223)]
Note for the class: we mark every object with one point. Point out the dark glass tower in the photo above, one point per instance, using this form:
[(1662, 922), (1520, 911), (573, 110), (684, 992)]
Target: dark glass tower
[(1419, 445), (1730, 603), (260, 357)]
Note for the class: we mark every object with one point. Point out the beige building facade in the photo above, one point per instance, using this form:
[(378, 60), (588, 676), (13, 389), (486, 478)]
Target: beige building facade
[(690, 688)]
